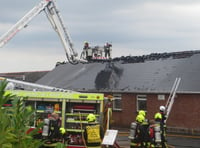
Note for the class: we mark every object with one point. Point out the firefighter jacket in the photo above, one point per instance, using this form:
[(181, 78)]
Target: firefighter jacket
[(93, 135)]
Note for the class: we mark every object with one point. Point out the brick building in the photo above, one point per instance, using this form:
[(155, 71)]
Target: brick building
[(139, 82)]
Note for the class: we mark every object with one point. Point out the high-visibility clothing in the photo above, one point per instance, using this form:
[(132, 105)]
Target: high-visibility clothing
[(93, 134)]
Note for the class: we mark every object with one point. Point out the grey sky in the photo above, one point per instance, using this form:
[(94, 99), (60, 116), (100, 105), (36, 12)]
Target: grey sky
[(134, 28)]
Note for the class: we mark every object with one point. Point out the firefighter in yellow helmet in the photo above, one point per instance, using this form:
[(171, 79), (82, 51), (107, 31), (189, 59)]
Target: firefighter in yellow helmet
[(158, 117), (136, 131), (145, 126), (142, 112), (140, 118), (93, 134), (160, 139)]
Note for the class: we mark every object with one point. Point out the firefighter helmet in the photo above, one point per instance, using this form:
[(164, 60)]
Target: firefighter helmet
[(62, 130), (158, 116), (162, 108), (91, 118), (142, 112), (140, 118)]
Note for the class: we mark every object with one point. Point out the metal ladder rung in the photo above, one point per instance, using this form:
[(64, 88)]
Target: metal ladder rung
[(172, 95)]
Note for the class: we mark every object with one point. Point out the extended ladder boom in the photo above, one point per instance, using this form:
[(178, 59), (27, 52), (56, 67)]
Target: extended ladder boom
[(22, 22), (56, 21), (58, 25), (172, 95), (22, 85)]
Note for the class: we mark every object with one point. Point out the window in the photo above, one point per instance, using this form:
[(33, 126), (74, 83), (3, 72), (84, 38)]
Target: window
[(141, 102), (117, 103)]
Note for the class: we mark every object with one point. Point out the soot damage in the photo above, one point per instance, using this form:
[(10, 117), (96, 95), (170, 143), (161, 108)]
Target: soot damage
[(109, 77)]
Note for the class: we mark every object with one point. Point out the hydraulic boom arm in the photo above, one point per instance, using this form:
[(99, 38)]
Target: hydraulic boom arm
[(56, 21)]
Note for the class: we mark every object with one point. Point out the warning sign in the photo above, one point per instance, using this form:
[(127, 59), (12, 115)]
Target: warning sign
[(110, 137)]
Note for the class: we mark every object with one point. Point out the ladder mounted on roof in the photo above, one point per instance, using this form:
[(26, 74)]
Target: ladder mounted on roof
[(171, 97)]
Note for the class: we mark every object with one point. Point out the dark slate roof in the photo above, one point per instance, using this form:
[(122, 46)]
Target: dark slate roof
[(151, 73)]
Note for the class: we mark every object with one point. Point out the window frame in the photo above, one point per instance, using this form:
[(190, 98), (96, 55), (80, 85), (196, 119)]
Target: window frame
[(117, 97), (141, 98)]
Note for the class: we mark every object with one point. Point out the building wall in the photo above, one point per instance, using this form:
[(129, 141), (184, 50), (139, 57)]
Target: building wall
[(124, 117), (185, 112)]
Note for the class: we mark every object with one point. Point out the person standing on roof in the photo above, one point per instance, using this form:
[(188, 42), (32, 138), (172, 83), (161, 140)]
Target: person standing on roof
[(93, 134)]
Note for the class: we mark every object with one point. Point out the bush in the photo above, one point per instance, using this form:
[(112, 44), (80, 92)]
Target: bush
[(15, 121)]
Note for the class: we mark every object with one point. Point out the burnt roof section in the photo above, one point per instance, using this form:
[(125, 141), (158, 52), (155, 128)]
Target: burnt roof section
[(148, 73)]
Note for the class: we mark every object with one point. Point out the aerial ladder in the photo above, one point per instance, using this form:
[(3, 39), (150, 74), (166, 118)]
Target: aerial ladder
[(171, 97), (28, 86), (52, 13)]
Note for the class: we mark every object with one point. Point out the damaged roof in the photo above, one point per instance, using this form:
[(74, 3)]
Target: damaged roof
[(126, 74)]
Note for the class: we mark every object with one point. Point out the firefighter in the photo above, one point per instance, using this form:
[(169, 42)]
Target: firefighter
[(62, 134), (145, 126), (159, 131), (86, 45), (136, 132), (93, 134), (162, 111), (107, 50), (163, 122), (143, 113), (54, 127), (87, 50), (107, 120)]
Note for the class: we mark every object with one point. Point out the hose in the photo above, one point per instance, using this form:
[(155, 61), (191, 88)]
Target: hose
[(82, 133)]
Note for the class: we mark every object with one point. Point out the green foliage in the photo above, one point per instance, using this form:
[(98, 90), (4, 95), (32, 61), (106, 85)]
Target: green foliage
[(14, 122), (60, 145)]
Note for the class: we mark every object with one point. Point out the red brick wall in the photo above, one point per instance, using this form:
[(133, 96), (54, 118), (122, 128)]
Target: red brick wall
[(185, 111), (153, 105), (128, 112)]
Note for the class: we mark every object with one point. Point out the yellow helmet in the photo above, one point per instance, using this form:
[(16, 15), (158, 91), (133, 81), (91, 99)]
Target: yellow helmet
[(91, 118), (142, 112), (140, 118), (158, 116), (62, 130)]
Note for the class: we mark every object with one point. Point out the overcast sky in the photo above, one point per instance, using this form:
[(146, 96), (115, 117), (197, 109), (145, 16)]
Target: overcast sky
[(135, 27)]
